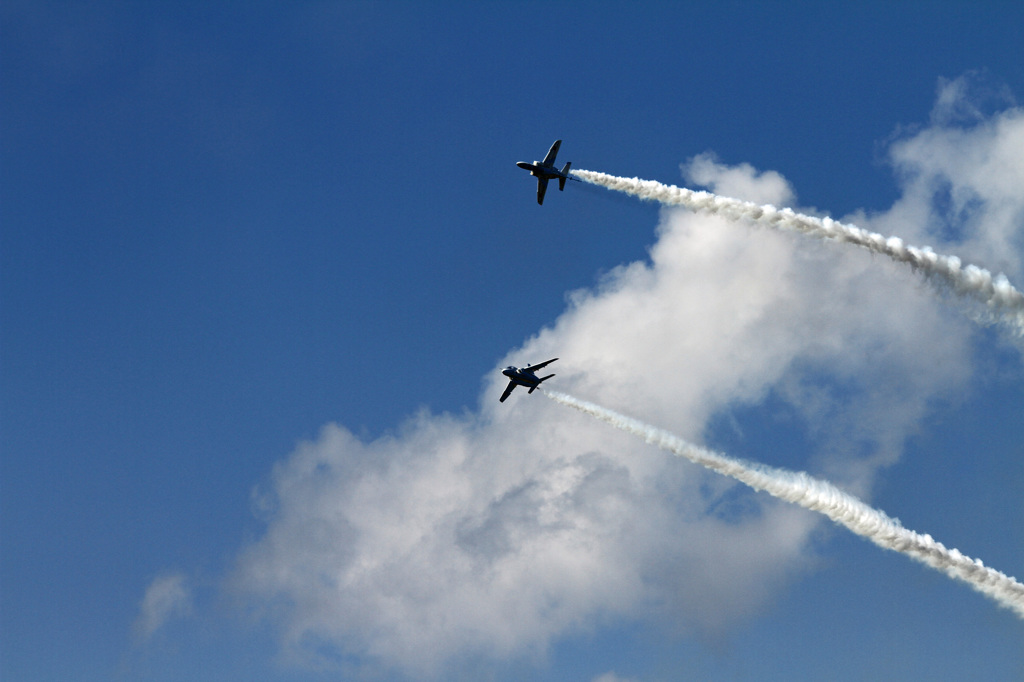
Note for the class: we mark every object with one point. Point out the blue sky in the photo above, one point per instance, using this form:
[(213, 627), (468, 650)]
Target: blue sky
[(259, 264)]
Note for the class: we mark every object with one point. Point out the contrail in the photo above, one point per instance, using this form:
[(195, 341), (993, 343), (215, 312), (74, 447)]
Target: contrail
[(821, 496), (995, 291)]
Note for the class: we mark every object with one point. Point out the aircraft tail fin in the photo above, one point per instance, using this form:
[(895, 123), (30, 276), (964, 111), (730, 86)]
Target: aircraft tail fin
[(565, 174), (539, 382)]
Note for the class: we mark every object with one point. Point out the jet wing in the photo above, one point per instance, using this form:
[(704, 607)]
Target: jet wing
[(543, 364), (508, 389), (542, 187), (549, 160)]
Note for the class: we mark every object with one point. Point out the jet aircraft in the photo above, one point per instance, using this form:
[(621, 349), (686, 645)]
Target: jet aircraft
[(524, 377), (545, 170)]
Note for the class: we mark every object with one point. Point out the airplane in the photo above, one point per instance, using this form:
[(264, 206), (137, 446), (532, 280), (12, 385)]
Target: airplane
[(545, 170), (524, 377)]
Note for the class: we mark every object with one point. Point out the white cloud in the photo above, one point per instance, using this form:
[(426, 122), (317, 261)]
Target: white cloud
[(496, 533), (740, 182), (961, 185), (167, 597), (967, 98), (612, 677)]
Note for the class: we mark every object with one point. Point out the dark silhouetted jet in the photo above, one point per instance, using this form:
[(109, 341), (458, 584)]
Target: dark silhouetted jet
[(524, 377), (545, 170)]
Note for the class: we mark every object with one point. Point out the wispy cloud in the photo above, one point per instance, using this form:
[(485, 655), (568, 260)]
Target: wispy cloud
[(167, 597), (612, 677)]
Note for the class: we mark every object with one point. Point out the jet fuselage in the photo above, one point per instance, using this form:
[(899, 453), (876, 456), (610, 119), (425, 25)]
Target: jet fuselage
[(537, 169), (522, 377)]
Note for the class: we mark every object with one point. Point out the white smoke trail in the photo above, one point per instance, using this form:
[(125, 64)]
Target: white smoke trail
[(821, 496), (1003, 300)]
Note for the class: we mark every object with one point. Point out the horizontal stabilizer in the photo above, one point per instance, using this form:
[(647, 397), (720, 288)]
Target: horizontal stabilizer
[(565, 175), (545, 378), (539, 382)]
